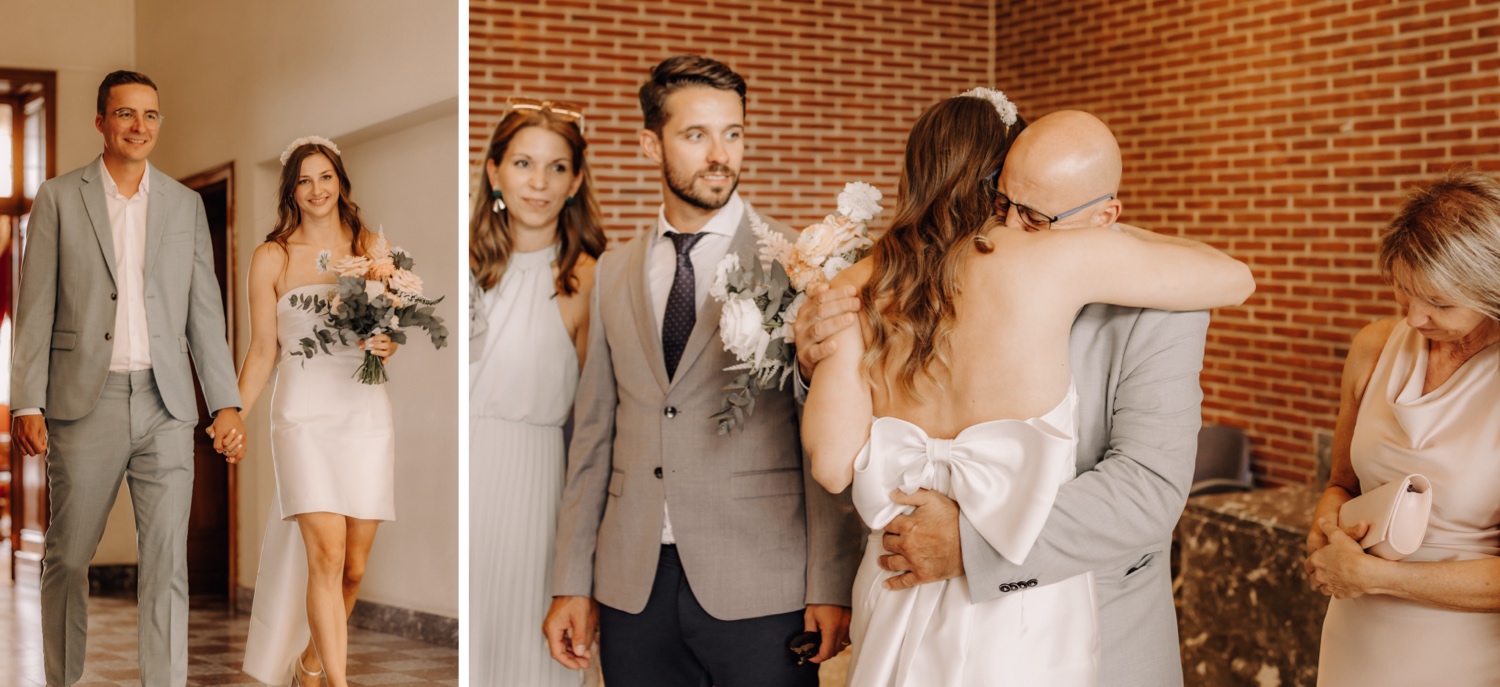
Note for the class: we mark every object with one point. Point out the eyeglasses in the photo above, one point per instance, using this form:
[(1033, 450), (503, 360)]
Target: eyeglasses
[(127, 117), (1036, 219), (568, 112)]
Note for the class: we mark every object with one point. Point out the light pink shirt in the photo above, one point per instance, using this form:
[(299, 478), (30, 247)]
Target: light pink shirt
[(127, 223), (661, 270)]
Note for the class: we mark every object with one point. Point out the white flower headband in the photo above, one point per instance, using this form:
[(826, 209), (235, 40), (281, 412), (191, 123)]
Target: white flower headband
[(287, 154), (1003, 105)]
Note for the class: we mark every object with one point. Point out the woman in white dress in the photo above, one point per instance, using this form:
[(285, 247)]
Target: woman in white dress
[(1420, 396), (961, 358), (331, 437), (533, 237)]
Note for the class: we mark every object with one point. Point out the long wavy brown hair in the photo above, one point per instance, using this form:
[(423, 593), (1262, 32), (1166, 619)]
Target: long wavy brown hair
[(579, 227), (289, 216), (947, 192)]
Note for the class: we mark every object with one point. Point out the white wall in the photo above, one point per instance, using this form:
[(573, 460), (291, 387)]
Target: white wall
[(400, 182), (240, 80), (81, 40)]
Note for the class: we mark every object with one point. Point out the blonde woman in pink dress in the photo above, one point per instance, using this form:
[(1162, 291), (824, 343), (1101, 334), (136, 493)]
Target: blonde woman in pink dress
[(1422, 395)]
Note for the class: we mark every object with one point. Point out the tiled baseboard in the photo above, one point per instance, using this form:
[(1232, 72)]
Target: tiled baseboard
[(376, 617)]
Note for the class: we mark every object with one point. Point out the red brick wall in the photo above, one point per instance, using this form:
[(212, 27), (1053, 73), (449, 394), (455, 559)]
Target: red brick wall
[(834, 85), (1283, 132)]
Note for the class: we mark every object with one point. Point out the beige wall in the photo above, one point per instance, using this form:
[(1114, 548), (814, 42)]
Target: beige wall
[(241, 80), (81, 40), (238, 82)]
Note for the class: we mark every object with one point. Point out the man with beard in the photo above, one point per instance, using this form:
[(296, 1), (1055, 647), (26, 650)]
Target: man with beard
[(699, 556)]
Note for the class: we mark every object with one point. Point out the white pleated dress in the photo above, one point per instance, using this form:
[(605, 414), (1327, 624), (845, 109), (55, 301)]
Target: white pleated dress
[(1004, 474), (521, 389), (334, 450)]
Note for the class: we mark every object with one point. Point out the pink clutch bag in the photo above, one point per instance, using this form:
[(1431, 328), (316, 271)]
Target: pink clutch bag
[(1397, 513)]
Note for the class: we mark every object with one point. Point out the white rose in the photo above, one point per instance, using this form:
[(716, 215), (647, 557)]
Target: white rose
[(834, 265), (740, 326), (373, 288), (789, 315), (859, 201), (720, 288)]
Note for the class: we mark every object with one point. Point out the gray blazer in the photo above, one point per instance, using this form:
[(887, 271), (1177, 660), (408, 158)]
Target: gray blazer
[(1137, 376), (756, 535), (65, 316)]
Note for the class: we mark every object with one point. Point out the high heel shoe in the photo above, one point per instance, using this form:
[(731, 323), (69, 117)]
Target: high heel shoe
[(298, 670)]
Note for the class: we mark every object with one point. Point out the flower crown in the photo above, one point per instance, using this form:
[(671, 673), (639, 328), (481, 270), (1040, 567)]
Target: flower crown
[(287, 154), (1003, 105)]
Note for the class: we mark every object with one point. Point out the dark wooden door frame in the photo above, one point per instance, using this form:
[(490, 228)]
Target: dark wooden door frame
[(26, 543), (225, 173)]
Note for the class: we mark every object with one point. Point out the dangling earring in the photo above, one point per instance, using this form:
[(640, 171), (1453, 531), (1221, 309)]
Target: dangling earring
[(569, 201), (499, 202)]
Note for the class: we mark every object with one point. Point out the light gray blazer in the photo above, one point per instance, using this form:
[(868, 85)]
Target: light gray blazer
[(65, 316), (1140, 410), (757, 536)]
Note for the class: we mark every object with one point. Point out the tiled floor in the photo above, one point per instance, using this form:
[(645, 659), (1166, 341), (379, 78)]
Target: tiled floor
[(216, 646)]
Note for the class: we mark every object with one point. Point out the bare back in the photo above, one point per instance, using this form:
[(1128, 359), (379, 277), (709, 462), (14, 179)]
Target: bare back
[(1007, 351)]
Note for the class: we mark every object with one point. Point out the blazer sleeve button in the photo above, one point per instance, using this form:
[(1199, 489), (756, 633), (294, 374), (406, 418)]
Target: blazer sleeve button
[(1031, 583), (657, 473)]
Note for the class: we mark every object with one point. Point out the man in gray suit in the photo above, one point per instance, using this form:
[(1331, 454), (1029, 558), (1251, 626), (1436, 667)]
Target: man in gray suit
[(700, 555), (117, 288), (1136, 372)]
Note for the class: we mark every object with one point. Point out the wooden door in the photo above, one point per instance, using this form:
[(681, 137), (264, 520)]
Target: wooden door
[(211, 550)]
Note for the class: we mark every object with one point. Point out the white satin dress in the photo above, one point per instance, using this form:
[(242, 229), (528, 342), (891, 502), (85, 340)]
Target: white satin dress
[(1451, 435), (521, 387), (334, 450), (1004, 474)]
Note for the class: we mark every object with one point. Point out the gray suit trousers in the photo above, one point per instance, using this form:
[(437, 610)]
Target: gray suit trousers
[(128, 435)]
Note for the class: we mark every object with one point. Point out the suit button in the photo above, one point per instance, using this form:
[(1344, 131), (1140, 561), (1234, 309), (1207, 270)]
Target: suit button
[(108, 336), (658, 473), (1030, 583), (670, 412), (114, 296), (1007, 587)]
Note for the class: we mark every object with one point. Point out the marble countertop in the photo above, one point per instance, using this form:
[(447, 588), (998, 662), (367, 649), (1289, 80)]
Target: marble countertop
[(1288, 509)]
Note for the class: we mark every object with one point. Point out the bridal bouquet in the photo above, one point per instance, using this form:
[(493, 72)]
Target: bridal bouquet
[(374, 295), (761, 305)]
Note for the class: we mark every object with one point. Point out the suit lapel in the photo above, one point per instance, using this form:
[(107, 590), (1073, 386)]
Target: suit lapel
[(92, 192), (156, 212), (706, 328), (639, 286)]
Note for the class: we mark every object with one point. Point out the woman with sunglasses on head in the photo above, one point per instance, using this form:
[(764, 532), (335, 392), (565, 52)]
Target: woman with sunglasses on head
[(533, 237)]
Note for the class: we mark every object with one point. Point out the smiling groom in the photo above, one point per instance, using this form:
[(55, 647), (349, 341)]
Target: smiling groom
[(117, 290), (701, 555)]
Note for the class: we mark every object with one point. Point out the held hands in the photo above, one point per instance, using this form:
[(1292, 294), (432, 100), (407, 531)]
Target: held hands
[(832, 622), (924, 546), (29, 432), (826, 312), (570, 627), (380, 345), (228, 433), (1339, 568)]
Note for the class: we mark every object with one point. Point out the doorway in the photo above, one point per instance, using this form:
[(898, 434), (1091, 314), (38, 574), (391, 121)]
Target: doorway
[(212, 528)]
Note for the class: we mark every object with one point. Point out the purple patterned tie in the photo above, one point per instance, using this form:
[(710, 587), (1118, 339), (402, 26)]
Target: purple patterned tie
[(682, 310)]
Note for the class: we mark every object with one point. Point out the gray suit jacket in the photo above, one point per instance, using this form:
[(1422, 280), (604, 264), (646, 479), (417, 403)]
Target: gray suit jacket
[(756, 535), (65, 316), (1137, 376)]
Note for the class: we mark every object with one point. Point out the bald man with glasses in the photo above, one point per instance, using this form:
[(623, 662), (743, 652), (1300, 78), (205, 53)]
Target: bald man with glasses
[(1136, 372)]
